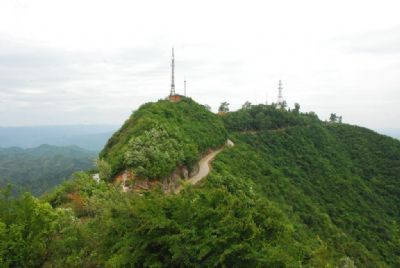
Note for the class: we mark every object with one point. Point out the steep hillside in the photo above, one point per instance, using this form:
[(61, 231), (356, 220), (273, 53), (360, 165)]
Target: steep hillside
[(340, 182), (161, 136), (40, 169), (293, 192)]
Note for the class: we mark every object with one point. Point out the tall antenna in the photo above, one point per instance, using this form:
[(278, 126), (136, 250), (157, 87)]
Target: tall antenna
[(173, 74), (184, 86), (280, 98)]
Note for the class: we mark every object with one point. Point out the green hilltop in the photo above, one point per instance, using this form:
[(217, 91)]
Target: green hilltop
[(177, 133), (294, 191)]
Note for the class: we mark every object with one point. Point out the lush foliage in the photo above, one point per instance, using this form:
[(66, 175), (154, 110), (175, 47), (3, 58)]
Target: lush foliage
[(292, 192), (222, 224), (27, 226), (340, 182), (266, 117), (39, 169), (185, 129), (155, 153)]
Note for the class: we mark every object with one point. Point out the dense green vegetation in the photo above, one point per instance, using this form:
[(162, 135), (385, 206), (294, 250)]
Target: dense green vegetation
[(292, 192), (26, 226), (222, 224), (40, 169), (339, 181), (266, 117), (161, 136)]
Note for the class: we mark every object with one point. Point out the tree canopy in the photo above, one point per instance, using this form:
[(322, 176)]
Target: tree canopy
[(174, 134), (293, 192)]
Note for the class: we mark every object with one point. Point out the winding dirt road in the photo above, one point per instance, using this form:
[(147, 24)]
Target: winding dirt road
[(204, 170), (204, 166)]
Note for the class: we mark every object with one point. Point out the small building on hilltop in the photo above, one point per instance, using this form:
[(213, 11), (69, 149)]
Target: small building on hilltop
[(175, 98)]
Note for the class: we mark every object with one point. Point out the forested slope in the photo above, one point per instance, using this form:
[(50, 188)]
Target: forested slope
[(339, 181), (40, 169), (293, 192), (159, 137)]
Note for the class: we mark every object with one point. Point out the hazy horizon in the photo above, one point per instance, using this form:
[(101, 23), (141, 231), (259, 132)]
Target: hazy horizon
[(94, 62), (90, 137), (110, 128)]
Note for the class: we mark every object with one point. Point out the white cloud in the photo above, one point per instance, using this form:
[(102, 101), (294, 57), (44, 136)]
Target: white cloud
[(96, 61)]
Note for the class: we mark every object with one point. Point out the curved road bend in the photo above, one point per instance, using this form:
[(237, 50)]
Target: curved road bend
[(204, 166)]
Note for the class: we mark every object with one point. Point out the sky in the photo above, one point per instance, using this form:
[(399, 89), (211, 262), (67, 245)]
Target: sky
[(94, 62)]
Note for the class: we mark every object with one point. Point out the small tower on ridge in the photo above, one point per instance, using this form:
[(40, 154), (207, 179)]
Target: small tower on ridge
[(173, 97), (280, 97), (172, 93)]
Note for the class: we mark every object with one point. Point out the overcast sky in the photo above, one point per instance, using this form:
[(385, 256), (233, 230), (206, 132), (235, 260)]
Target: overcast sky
[(94, 62)]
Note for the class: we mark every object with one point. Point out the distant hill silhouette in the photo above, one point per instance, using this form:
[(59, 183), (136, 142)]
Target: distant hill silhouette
[(90, 137), (40, 169)]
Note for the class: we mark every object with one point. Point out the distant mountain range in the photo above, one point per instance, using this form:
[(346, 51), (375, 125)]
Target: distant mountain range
[(40, 169), (90, 137)]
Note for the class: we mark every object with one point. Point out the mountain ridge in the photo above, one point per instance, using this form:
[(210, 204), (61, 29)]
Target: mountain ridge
[(91, 137), (42, 168), (293, 192)]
